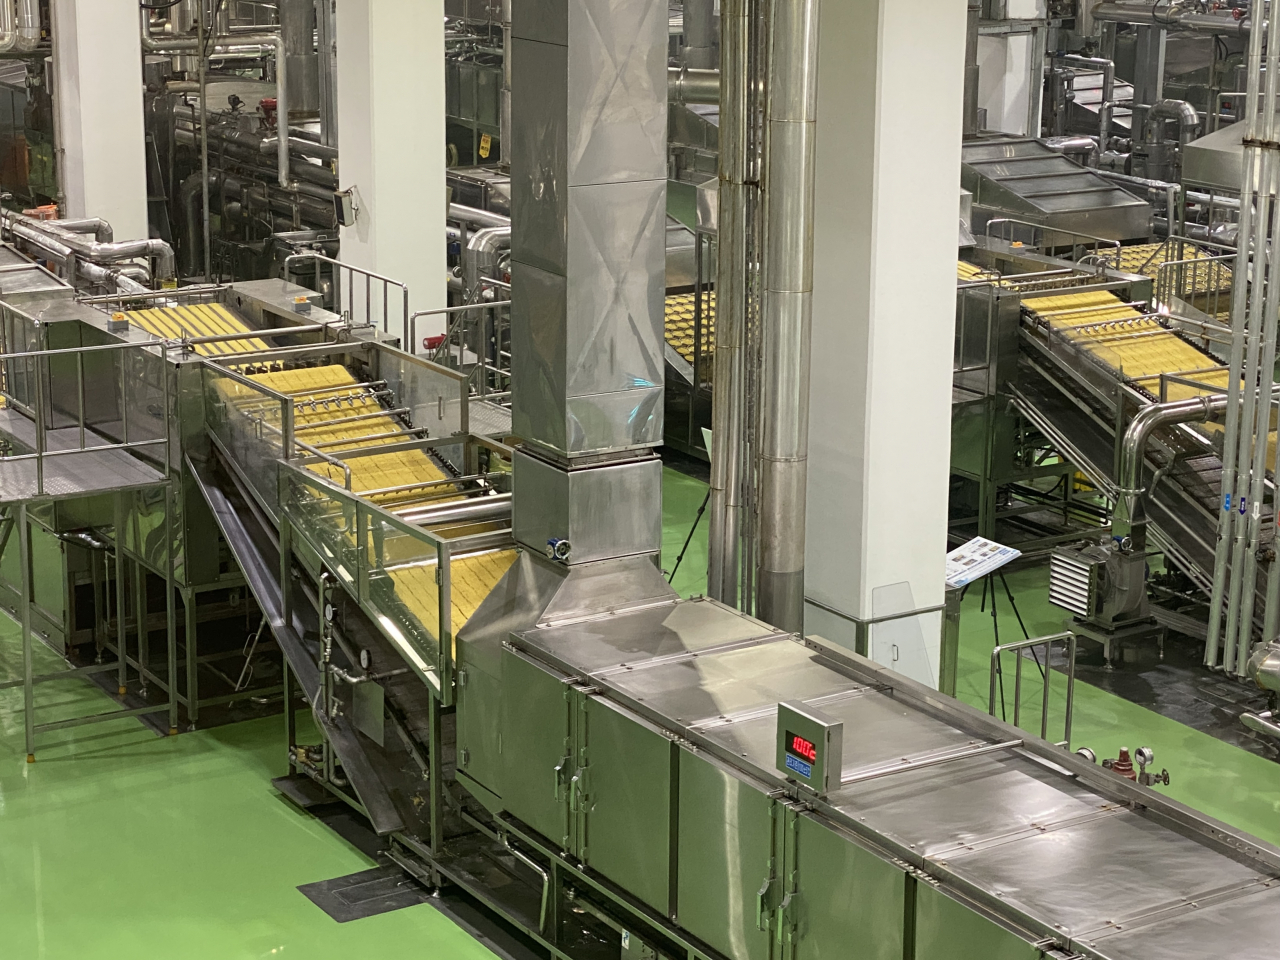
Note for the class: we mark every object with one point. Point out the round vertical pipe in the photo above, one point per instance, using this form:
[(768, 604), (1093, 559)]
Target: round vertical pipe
[(1255, 414), (788, 305), (1239, 313), (699, 34), (504, 116), (728, 421)]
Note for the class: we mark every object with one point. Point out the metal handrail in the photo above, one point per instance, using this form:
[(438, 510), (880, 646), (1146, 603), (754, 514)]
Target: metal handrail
[(369, 278), (1069, 639), (1098, 242), (39, 373)]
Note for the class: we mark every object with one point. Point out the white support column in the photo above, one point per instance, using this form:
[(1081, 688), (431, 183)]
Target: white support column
[(97, 54), (890, 91), (391, 140)]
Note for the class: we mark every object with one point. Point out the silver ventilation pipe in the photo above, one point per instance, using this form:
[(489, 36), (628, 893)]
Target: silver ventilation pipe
[(29, 31), (728, 414), (588, 268), (788, 307), (42, 231), (700, 34), (687, 85), (297, 30)]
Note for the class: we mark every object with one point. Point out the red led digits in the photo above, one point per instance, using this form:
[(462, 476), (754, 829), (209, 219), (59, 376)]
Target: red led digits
[(804, 748)]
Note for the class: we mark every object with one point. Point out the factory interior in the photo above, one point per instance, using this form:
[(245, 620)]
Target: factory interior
[(899, 385)]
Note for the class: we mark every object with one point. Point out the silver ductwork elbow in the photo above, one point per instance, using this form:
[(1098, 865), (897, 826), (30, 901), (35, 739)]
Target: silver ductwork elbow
[(1130, 514), (1186, 115), (480, 258)]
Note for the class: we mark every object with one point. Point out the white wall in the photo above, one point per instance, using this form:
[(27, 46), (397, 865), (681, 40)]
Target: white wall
[(391, 139), (97, 51), (888, 166), (1004, 81)]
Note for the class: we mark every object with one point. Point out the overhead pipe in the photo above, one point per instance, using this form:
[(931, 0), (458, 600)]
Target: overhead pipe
[(481, 254), (93, 250), (1068, 145), (687, 85), (1106, 108), (100, 229), (1187, 116), (475, 217), (243, 43), (791, 119), (1170, 16)]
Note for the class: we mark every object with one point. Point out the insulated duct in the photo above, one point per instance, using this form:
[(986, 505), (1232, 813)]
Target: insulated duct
[(588, 268), (700, 34), (788, 306)]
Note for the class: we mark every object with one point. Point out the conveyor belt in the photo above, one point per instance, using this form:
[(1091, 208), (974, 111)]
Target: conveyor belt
[(322, 395), (194, 321)]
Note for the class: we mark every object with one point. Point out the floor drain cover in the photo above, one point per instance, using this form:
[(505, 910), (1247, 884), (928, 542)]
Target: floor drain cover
[(365, 894)]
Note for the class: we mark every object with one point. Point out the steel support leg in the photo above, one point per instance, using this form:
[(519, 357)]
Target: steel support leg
[(140, 611), (28, 685), (122, 636), (171, 615), (193, 654), (290, 718), (437, 778)]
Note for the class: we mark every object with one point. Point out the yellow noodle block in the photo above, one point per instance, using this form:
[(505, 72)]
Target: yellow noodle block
[(471, 580), (679, 330), (375, 472), (194, 321)]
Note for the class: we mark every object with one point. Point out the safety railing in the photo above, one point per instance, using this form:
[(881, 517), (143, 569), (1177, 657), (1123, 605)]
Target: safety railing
[(478, 340), (1199, 277), (1019, 650), (79, 402), (400, 573), (181, 296), (254, 426), (362, 297), (1098, 252)]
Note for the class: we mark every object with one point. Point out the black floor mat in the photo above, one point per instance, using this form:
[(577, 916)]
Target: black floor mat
[(365, 894)]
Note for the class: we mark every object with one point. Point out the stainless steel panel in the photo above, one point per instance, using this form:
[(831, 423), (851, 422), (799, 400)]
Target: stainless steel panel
[(668, 630), (849, 901), (544, 20), (630, 774), (538, 351), (582, 507), (948, 930), (1244, 928), (877, 731), (536, 747), (1109, 870), (725, 845), (717, 684), (539, 165), (617, 86), (944, 809)]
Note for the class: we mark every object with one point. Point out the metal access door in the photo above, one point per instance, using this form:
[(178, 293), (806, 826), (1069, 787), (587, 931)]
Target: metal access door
[(946, 929), (537, 746), (622, 799), (729, 884), (840, 900)]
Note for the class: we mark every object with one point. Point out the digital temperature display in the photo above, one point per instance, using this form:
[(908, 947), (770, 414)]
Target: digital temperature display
[(805, 749), (810, 746)]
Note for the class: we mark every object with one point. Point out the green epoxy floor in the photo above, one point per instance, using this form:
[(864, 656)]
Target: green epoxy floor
[(118, 843)]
